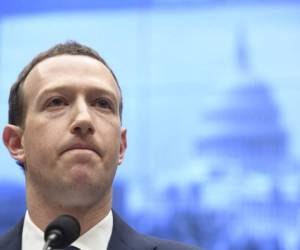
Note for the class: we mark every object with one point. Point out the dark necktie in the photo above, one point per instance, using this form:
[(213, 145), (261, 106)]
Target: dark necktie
[(71, 248)]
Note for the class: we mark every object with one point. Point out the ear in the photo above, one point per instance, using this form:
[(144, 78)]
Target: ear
[(123, 145), (12, 138)]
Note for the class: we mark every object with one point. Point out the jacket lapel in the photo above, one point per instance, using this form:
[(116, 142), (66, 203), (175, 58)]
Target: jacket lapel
[(125, 238), (13, 239)]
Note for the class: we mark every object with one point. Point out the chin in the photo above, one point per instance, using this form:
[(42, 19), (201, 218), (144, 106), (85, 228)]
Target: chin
[(82, 173)]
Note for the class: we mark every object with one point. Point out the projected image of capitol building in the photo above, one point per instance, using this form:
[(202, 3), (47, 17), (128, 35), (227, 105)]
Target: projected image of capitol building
[(241, 182)]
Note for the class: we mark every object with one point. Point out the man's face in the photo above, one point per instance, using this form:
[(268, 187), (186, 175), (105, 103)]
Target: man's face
[(72, 136)]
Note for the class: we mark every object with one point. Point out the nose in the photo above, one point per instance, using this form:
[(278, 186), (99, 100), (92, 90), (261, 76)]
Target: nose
[(82, 123)]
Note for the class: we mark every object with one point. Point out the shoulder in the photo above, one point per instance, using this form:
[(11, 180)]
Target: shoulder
[(163, 244), (12, 240), (123, 235)]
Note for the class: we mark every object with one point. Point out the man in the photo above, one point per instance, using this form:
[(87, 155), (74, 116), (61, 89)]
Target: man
[(65, 113)]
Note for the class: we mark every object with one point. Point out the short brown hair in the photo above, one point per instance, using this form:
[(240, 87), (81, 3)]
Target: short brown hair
[(16, 112)]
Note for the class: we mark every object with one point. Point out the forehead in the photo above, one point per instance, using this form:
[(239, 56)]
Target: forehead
[(69, 71)]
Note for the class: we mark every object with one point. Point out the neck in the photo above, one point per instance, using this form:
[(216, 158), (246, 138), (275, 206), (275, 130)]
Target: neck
[(43, 210)]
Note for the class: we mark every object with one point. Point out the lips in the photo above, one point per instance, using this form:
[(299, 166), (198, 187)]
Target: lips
[(81, 146)]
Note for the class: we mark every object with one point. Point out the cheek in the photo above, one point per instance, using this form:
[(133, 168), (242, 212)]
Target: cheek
[(36, 146), (44, 129), (114, 149), (39, 143), (112, 136)]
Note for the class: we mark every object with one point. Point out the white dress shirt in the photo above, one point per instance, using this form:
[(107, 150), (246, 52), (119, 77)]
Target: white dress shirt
[(96, 238)]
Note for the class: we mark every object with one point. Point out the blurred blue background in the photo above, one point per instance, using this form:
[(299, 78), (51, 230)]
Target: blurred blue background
[(211, 94)]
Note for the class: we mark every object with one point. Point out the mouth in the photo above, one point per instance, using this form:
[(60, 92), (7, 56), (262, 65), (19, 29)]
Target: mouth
[(81, 147)]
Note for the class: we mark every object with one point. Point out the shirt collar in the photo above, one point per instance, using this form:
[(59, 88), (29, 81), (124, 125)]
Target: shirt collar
[(97, 238)]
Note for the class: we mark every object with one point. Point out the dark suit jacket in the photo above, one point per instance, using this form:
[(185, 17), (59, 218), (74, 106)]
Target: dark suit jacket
[(123, 238)]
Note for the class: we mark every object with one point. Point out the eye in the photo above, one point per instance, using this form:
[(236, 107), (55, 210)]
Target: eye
[(56, 102), (103, 103)]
